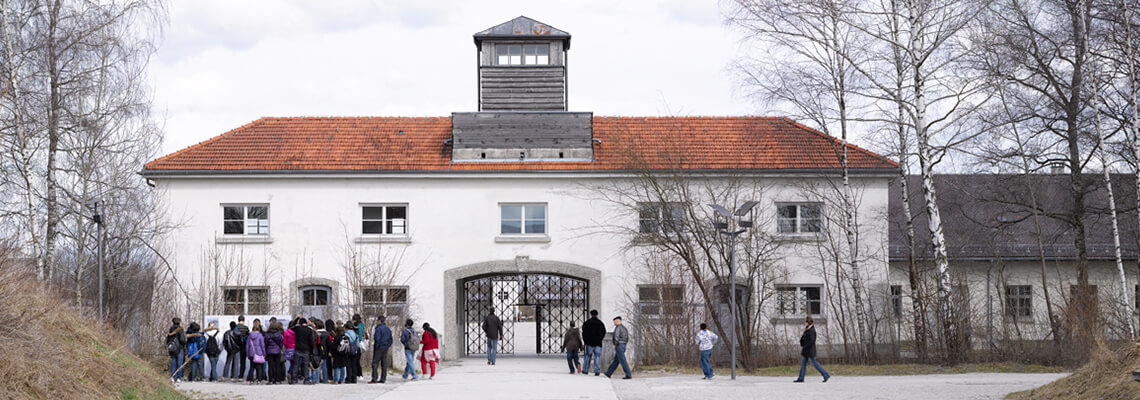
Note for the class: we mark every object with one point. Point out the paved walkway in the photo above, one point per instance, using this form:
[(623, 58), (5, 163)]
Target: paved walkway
[(532, 378)]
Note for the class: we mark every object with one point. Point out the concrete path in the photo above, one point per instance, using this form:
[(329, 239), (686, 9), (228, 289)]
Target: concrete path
[(521, 378), (530, 378)]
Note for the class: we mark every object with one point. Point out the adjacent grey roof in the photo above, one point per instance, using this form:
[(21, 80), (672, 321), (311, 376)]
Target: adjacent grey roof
[(521, 28), (988, 217)]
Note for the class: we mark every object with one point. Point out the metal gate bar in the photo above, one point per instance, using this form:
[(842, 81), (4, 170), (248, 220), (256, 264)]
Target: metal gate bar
[(558, 300)]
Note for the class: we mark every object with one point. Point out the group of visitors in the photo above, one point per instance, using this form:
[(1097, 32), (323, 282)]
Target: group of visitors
[(305, 351)]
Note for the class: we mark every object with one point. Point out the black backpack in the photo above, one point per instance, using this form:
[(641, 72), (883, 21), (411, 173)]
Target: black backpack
[(212, 349), (172, 345)]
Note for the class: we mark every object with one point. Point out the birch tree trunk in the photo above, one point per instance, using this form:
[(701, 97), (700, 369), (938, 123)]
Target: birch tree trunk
[(1112, 210)]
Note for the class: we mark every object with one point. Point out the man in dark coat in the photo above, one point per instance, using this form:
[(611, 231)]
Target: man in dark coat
[(807, 342), (621, 340), (381, 342), (593, 333), (243, 333), (493, 328), (304, 341)]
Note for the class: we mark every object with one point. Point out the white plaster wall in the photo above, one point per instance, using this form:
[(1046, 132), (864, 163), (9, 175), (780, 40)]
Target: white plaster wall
[(452, 221)]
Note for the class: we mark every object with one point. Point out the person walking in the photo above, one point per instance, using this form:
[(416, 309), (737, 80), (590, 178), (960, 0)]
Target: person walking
[(381, 342), (411, 342), (175, 346), (593, 333), (621, 339), (289, 340), (571, 344), (255, 350), (342, 349), (195, 346), (304, 339), (243, 334), (213, 349), (807, 341), (429, 355), (705, 342), (275, 352), (233, 345), (353, 352), (493, 328)]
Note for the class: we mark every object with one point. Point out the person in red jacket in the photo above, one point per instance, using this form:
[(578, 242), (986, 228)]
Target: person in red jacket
[(429, 353)]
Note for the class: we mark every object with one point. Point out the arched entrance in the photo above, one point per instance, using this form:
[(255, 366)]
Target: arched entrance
[(536, 309), (555, 294)]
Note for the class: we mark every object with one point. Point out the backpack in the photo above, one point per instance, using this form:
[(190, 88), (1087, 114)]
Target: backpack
[(413, 340), (344, 347), (319, 349), (192, 349), (230, 341), (172, 345), (212, 349)]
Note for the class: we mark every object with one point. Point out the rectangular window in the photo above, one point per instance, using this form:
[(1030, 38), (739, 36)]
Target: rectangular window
[(660, 299), (660, 217), (508, 54), (522, 219), (792, 301), (389, 301), (245, 220), (1018, 301), (799, 218), (536, 54), (896, 300), (384, 219), (245, 300)]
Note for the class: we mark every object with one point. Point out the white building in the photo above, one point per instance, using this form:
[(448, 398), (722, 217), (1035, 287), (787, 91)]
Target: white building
[(441, 219)]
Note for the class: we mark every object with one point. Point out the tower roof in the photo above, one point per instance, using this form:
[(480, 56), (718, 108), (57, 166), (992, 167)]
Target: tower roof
[(522, 28)]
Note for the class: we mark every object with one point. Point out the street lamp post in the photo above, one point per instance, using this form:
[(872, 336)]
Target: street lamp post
[(725, 228)]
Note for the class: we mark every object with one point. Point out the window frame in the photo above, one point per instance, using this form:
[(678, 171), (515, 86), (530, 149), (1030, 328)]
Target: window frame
[(896, 296), (799, 219), (384, 219), (523, 219), (245, 300), (328, 295), (1012, 297), (385, 304), (797, 310), (658, 221), (522, 54), (245, 208), (666, 308)]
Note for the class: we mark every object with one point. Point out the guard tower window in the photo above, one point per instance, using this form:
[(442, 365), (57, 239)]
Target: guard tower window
[(518, 54)]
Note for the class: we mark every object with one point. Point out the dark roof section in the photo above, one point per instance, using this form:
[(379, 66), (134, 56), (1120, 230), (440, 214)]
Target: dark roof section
[(988, 217), (522, 28)]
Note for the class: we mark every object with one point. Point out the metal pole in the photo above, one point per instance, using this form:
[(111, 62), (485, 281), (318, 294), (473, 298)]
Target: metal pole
[(100, 305), (732, 296)]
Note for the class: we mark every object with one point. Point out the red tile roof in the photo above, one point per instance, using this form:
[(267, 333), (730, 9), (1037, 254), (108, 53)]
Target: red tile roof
[(417, 144)]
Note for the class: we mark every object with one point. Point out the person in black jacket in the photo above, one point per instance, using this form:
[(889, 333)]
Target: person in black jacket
[(493, 328), (176, 346), (303, 342), (593, 333), (807, 341)]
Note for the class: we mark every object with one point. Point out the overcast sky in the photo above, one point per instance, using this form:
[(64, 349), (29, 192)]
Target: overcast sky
[(225, 63)]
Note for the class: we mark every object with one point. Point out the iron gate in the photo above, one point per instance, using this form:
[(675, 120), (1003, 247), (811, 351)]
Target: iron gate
[(556, 300)]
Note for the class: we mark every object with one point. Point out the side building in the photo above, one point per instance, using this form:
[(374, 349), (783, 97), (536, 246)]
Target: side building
[(523, 208)]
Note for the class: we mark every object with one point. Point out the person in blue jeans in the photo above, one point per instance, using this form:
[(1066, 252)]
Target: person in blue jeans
[(807, 342), (593, 333), (176, 346), (621, 339), (705, 342), (411, 343), (493, 328)]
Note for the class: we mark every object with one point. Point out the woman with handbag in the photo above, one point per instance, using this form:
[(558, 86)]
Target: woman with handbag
[(255, 350), (429, 355), (275, 352)]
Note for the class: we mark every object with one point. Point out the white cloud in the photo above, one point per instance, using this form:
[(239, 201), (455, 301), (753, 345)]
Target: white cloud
[(223, 64)]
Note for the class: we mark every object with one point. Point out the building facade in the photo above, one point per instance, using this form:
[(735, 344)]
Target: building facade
[(522, 208)]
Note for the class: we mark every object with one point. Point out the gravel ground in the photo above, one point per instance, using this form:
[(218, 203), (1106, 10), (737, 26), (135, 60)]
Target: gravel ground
[(546, 378)]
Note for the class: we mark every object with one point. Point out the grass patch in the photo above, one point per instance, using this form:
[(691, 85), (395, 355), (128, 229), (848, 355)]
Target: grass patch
[(1107, 375), (862, 370)]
